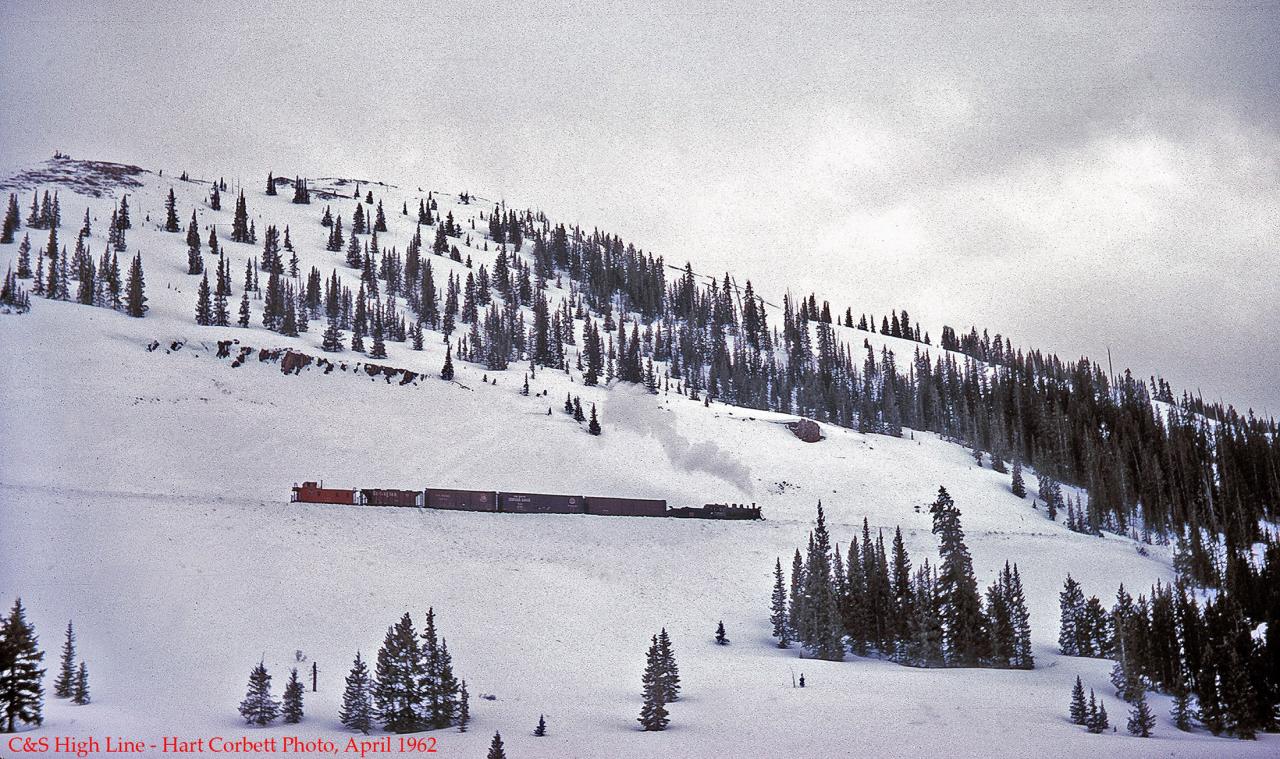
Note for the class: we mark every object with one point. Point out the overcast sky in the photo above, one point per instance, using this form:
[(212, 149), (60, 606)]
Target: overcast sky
[(1076, 178)]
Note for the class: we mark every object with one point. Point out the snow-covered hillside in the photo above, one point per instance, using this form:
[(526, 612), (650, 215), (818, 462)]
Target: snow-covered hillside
[(144, 493)]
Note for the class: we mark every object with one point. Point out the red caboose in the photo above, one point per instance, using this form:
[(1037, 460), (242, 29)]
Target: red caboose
[(311, 492)]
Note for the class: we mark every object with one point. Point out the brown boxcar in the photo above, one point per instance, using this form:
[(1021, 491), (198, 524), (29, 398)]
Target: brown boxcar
[(628, 507), (462, 500), (387, 497), (311, 492), (540, 503)]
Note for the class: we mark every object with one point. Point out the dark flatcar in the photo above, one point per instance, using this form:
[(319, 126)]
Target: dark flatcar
[(626, 507), (387, 497), (312, 492), (461, 500), (540, 503)]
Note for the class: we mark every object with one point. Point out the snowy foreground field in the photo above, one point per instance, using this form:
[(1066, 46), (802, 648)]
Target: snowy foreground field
[(145, 495)]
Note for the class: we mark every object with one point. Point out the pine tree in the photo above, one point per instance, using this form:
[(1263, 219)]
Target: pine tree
[(1019, 487), (1181, 712), (271, 184), (1071, 604), (357, 704), (21, 678), (594, 426), (204, 309), (292, 707), (24, 258), (397, 693), (65, 684), (464, 707), (957, 588), (80, 693), (495, 748), (653, 714), (1079, 710), (258, 707), (720, 638), (171, 213), (778, 607), (332, 341), (135, 290), (243, 321), (12, 220), (1141, 719), (670, 672)]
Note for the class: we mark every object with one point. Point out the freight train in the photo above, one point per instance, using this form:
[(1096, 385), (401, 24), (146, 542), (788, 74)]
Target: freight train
[(516, 503)]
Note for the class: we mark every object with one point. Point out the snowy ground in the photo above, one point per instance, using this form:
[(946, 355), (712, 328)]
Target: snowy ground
[(145, 495)]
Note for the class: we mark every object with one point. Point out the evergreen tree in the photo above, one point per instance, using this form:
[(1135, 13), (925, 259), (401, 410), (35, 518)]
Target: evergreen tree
[(24, 258), (464, 707), (171, 213), (594, 426), (243, 321), (670, 674), (332, 341), (65, 684), (1071, 605), (1079, 710), (495, 748), (541, 729), (653, 714), (356, 712), (80, 693), (397, 694), (292, 707), (1141, 719), (12, 220), (1019, 487), (271, 184), (135, 290), (957, 586), (258, 707), (21, 677), (204, 309), (720, 637), (778, 607)]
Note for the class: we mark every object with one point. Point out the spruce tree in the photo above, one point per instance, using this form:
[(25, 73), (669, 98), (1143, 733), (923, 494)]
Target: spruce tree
[(12, 220), (65, 684), (356, 712), (258, 707), (204, 309), (135, 290), (80, 693), (594, 426), (670, 673), (720, 635), (653, 714), (1141, 719), (21, 677), (957, 588), (397, 693), (541, 729), (1079, 709), (495, 748), (332, 341), (291, 709), (1019, 487), (778, 607), (171, 213), (1071, 606), (464, 707)]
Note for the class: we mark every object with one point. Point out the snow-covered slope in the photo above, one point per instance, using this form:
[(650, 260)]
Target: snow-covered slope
[(145, 494)]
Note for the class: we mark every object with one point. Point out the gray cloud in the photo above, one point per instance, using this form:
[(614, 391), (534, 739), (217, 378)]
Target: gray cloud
[(1077, 177)]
